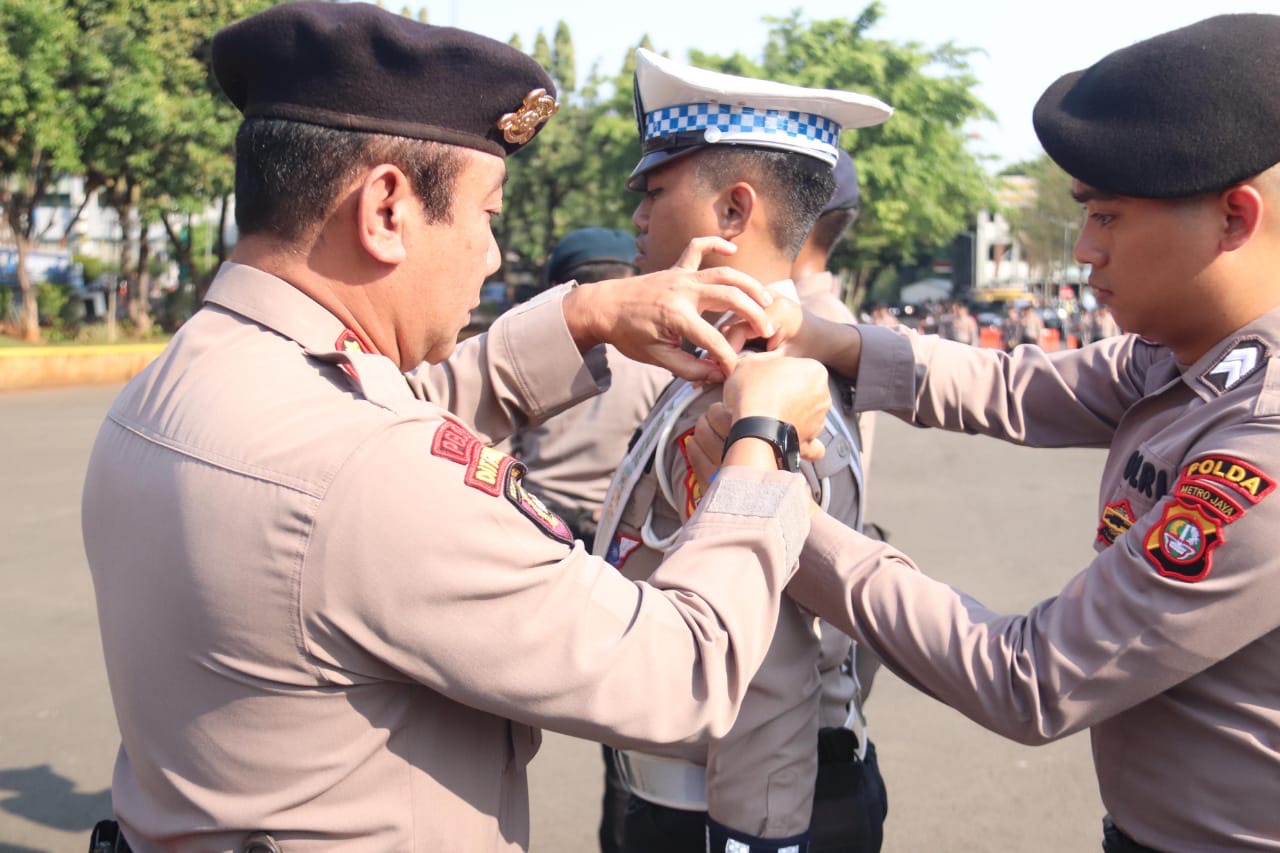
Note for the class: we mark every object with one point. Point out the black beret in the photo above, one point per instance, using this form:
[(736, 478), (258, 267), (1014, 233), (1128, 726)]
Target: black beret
[(353, 66), (1189, 111), (586, 245)]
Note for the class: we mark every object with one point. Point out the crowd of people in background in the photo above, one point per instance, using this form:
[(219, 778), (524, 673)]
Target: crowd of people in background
[(1064, 324)]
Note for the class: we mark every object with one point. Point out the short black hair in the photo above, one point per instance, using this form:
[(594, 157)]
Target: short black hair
[(796, 186), (593, 271), (831, 227), (289, 174)]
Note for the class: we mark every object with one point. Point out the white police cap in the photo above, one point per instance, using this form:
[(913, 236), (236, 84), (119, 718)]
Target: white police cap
[(680, 109)]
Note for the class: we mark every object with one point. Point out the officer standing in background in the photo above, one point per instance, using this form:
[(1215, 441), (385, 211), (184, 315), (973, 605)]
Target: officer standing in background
[(750, 161), (1167, 646), (570, 458), (329, 611), (821, 291)]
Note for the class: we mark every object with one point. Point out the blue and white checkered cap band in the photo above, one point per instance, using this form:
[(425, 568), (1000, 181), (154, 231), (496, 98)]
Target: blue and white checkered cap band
[(812, 134)]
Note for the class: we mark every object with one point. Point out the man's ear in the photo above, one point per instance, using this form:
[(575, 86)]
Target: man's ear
[(382, 212), (1243, 207), (735, 207)]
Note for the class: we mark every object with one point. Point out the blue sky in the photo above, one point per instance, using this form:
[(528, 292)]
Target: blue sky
[(1027, 44)]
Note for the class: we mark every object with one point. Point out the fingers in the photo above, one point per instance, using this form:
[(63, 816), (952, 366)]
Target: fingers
[(812, 450), (699, 371), (730, 290), (699, 248), (737, 333), (703, 334)]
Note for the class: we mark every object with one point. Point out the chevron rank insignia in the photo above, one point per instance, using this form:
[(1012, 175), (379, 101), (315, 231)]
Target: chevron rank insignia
[(1241, 362)]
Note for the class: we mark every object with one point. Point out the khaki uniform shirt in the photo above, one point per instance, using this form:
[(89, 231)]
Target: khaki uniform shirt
[(1167, 646), (760, 776), (331, 613), (572, 457)]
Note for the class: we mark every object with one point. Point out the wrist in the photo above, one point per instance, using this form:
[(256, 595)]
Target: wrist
[(582, 315), (751, 452), (778, 435)]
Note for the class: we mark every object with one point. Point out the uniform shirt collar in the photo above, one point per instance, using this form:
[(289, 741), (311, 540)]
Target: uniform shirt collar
[(786, 288), (274, 303), (818, 284)]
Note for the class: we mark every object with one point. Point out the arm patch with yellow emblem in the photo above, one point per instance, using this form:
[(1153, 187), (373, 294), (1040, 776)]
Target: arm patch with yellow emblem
[(1213, 491)]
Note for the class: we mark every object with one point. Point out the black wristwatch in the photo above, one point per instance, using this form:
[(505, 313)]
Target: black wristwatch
[(782, 435)]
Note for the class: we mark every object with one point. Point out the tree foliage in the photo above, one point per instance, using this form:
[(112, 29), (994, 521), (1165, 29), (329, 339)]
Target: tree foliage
[(120, 93), (159, 138), (1047, 227), (41, 116)]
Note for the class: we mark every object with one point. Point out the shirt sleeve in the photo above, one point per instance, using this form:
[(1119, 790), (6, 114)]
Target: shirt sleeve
[(442, 571), (1028, 396), (1184, 588), (523, 370)]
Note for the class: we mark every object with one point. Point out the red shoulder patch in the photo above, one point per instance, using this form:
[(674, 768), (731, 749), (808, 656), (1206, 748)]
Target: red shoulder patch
[(1217, 500), (454, 442), (1243, 478), (487, 469)]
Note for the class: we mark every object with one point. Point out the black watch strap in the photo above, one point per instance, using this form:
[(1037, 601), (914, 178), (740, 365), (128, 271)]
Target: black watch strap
[(780, 434)]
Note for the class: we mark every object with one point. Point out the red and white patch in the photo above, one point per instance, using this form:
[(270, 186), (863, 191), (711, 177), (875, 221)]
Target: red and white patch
[(1181, 544)]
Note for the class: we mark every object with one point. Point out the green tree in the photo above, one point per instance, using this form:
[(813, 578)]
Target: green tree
[(562, 68), (920, 184), (159, 146), (40, 118), (1048, 225)]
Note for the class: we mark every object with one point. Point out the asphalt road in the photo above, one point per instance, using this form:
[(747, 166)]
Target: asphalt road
[(1008, 525)]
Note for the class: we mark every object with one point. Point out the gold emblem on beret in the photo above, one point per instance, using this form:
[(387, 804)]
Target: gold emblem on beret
[(518, 127)]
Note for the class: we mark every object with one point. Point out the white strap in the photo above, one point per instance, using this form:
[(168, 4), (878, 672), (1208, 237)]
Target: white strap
[(632, 467), (669, 782)]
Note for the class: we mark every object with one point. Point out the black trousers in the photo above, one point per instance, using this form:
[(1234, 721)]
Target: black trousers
[(613, 812), (849, 808)]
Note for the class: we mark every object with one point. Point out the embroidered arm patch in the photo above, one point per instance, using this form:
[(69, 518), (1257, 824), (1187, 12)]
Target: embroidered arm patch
[(1213, 491), (495, 473)]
